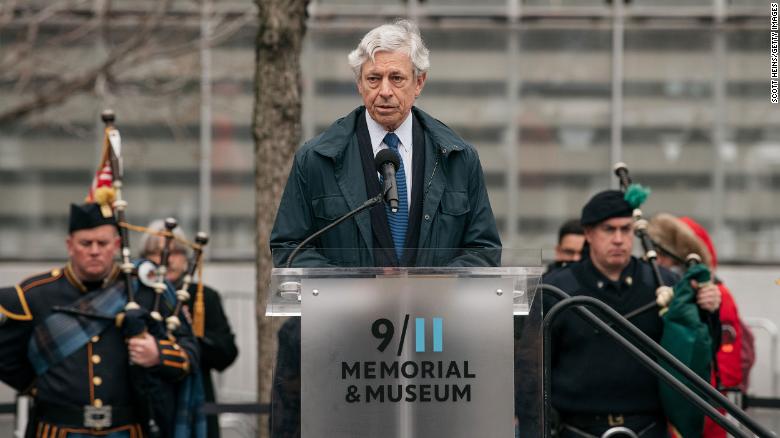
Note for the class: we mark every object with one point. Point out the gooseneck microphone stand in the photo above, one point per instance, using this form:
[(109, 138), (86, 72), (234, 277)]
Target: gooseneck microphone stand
[(376, 200)]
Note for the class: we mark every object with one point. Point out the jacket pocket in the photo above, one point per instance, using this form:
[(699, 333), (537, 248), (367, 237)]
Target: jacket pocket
[(329, 208), (447, 229), (455, 203), (337, 244)]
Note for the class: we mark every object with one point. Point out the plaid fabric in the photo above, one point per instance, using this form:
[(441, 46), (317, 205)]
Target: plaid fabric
[(62, 333), (190, 420)]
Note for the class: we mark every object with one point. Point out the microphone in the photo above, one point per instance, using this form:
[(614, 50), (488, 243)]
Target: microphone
[(387, 164)]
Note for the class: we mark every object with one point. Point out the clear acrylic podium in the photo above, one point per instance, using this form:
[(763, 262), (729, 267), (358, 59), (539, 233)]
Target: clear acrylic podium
[(424, 351)]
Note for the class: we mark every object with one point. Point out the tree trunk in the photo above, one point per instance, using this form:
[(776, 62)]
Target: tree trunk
[(276, 128)]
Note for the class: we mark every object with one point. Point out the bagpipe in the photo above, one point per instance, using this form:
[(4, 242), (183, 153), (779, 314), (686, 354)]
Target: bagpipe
[(635, 195), (685, 336), (142, 277), (137, 273)]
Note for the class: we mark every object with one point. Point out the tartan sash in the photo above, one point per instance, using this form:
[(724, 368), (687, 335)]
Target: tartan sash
[(190, 419), (61, 333)]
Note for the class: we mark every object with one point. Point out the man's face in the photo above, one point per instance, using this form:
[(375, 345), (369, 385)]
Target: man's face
[(92, 251), (570, 248), (177, 263), (611, 243), (388, 87)]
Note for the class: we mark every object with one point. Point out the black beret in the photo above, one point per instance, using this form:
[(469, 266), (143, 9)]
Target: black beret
[(87, 216), (605, 205)]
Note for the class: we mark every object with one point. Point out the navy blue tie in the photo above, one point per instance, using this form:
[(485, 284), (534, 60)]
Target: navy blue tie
[(398, 221)]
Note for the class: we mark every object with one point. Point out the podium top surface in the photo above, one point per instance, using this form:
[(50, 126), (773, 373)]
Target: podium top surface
[(523, 269), (458, 271), (411, 258)]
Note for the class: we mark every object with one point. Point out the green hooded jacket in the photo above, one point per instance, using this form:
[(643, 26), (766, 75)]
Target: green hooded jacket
[(687, 337)]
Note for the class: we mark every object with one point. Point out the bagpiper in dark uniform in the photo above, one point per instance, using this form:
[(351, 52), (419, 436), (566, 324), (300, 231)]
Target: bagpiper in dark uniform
[(60, 342), (596, 385)]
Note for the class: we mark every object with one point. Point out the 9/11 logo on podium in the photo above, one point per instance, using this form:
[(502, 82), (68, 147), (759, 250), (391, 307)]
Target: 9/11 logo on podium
[(419, 331), (384, 330)]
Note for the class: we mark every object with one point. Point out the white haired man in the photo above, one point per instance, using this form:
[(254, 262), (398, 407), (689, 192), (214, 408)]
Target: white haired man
[(443, 202)]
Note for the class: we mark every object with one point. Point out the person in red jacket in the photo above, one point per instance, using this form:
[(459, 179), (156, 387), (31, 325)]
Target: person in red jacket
[(676, 238)]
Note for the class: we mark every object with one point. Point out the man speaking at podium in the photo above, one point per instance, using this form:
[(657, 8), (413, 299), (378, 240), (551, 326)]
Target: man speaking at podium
[(442, 198), (442, 202)]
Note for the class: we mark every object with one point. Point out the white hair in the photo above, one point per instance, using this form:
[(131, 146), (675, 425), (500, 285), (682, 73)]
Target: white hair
[(152, 244), (401, 36)]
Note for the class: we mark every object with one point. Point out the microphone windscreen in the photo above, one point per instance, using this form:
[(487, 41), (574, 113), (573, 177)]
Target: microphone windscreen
[(384, 156)]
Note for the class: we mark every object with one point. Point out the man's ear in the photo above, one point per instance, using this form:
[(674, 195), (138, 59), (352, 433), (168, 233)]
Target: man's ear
[(420, 83), (587, 232)]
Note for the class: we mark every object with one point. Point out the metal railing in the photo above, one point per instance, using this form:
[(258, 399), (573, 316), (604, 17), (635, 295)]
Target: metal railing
[(714, 399)]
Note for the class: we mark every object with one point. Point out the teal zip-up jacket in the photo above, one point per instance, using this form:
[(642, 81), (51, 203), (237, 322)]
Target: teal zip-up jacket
[(326, 181)]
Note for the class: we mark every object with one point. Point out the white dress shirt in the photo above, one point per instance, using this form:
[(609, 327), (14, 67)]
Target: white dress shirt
[(404, 133)]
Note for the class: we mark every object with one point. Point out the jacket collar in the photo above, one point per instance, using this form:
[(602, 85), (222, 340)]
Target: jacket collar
[(337, 137), (444, 138), (440, 141), (596, 280), (70, 275)]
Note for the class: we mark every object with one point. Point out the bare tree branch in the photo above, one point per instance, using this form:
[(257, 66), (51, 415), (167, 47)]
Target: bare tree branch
[(7, 12), (27, 63), (23, 50), (222, 33), (57, 91)]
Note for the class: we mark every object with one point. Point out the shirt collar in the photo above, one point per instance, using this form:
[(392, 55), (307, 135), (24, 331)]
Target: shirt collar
[(626, 280), (378, 132)]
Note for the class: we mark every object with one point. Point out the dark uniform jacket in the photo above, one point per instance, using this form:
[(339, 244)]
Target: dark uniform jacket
[(97, 374), (591, 373), (218, 346)]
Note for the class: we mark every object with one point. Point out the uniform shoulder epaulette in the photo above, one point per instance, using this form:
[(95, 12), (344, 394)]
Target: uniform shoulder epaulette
[(13, 302), (40, 279)]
